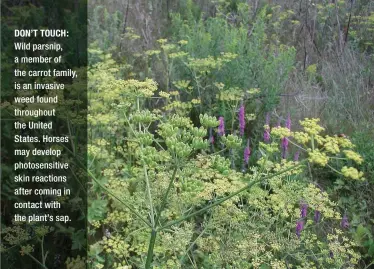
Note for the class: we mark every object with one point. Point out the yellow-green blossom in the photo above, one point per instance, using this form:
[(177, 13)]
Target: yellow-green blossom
[(183, 42), (318, 157), (301, 137), (26, 250), (164, 94), (352, 172), (75, 263), (353, 156), (280, 132), (331, 145), (311, 126), (195, 101), (345, 142), (152, 52), (162, 41)]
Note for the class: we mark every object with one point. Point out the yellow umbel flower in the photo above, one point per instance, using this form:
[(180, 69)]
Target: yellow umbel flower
[(320, 140), (152, 52), (345, 142), (269, 148), (183, 42), (301, 137), (162, 41), (331, 145), (26, 249), (281, 132), (164, 94), (353, 156), (311, 126), (352, 172), (195, 101), (318, 157), (75, 263)]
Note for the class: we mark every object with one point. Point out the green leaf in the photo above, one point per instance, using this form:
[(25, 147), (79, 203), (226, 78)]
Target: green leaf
[(361, 234), (97, 210)]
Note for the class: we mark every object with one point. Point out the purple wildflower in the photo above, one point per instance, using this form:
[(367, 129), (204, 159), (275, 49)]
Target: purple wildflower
[(285, 139), (241, 120), (211, 137), (299, 227), (317, 216), (303, 209), (221, 126), (285, 142), (284, 147), (247, 153), (288, 122), (296, 157), (267, 135), (267, 121), (344, 223)]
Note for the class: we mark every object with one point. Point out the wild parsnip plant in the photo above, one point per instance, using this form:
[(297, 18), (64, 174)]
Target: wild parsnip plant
[(168, 192)]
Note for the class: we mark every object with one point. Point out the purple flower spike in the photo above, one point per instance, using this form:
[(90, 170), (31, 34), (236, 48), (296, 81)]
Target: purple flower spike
[(285, 143), (285, 139), (299, 227), (241, 120), (317, 216), (284, 147), (344, 223), (211, 137), (247, 153), (303, 210), (267, 121), (221, 126), (267, 135), (296, 157), (288, 122)]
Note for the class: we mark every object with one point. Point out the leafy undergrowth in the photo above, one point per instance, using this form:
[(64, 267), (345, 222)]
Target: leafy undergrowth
[(171, 192)]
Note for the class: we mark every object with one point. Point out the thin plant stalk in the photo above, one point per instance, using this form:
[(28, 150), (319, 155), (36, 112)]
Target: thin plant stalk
[(152, 240), (163, 202), (149, 195), (119, 200), (220, 201)]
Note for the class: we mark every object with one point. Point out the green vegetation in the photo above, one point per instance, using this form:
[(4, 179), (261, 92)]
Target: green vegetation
[(228, 134), (193, 160)]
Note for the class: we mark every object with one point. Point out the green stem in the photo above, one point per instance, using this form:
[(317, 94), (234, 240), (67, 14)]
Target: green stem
[(110, 193), (194, 242), (149, 195), (164, 199), (296, 145), (152, 241), (36, 260), (333, 169), (220, 201), (119, 200), (42, 243)]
